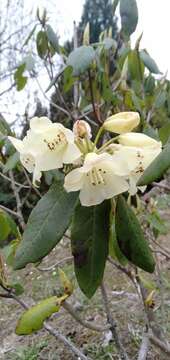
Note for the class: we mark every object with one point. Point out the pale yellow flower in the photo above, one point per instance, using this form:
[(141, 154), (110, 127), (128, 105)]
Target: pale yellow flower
[(135, 159), (122, 122), (97, 179), (46, 146)]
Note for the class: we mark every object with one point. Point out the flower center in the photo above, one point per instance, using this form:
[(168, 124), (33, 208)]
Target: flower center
[(57, 142), (140, 168), (97, 176)]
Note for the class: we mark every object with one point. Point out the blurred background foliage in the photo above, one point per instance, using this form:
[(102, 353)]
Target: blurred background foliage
[(95, 75)]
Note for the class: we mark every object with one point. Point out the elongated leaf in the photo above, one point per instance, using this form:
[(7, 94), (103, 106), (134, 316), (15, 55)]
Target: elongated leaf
[(149, 62), (19, 78), (114, 250), (30, 35), (129, 16), (42, 43), (157, 168), (46, 225), (4, 226), (135, 66), (4, 126), (164, 133), (130, 237), (80, 59), (33, 319), (115, 4), (89, 235), (52, 38)]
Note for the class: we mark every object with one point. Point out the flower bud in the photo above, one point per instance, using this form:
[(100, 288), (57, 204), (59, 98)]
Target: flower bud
[(82, 129), (122, 122), (86, 35), (138, 140)]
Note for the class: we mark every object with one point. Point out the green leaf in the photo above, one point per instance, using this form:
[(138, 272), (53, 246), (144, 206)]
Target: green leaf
[(135, 67), (46, 225), (4, 226), (114, 250), (11, 162), (18, 288), (56, 77), (164, 133), (4, 126), (19, 78), (69, 80), (33, 319), (80, 59), (52, 38), (149, 62), (130, 237), (160, 99), (30, 35), (129, 16), (89, 240), (42, 44), (157, 168)]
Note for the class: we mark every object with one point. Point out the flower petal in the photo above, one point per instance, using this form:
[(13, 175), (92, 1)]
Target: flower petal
[(74, 180), (18, 144), (71, 153), (50, 160), (40, 124), (138, 140)]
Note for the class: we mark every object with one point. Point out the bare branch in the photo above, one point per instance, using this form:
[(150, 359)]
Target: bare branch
[(142, 355), (67, 306), (18, 201), (113, 325), (14, 213), (52, 331)]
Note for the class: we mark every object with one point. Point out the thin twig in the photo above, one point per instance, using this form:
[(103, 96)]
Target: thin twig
[(69, 258), (16, 183), (144, 348), (161, 186), (92, 99), (67, 342), (12, 212), (67, 306), (52, 331), (113, 325), (30, 184), (18, 201), (160, 344)]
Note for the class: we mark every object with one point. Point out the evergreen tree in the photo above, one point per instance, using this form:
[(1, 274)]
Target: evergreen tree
[(99, 14)]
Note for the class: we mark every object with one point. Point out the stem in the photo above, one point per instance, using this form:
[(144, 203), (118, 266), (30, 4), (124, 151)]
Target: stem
[(92, 98), (83, 322), (108, 143), (113, 327), (98, 136)]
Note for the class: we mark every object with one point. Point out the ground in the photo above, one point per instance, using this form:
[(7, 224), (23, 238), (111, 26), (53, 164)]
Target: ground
[(124, 304)]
